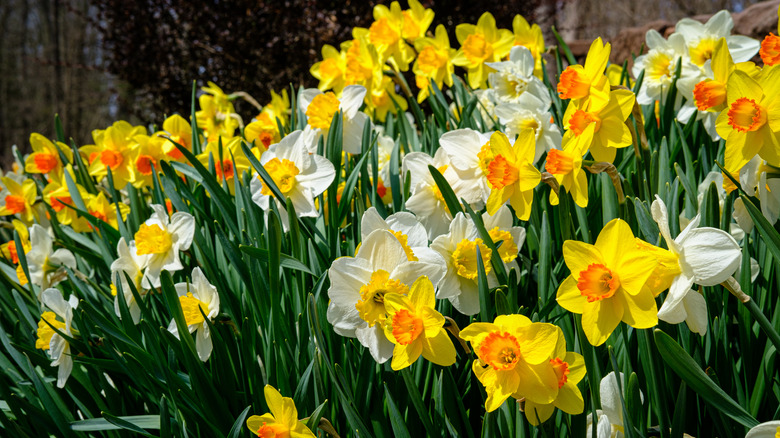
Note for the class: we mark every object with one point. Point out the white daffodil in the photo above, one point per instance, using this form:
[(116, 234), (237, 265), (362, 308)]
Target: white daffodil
[(161, 239), (515, 77), (467, 149), (426, 200), (45, 264), (659, 65), (320, 108), (459, 249), (196, 297), (359, 284), (532, 112), (770, 429), (700, 39), (59, 316), (706, 256), (130, 263), (511, 238), (299, 175), (407, 229), (610, 417)]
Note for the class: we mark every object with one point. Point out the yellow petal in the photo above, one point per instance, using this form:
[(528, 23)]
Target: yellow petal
[(439, 349), (569, 399), (405, 355), (596, 61), (505, 385), (578, 255), (569, 296), (536, 413), (600, 318), (512, 323), (640, 310), (538, 383), (537, 342)]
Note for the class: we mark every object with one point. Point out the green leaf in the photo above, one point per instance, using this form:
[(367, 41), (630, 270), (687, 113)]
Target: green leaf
[(99, 424), (446, 191), (238, 425), (689, 371)]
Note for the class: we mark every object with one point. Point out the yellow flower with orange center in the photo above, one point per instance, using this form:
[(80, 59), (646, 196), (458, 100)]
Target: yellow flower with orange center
[(608, 282), (9, 250), (589, 82), (514, 356), (569, 369), (668, 267), (511, 174), (416, 328), (45, 158), (114, 149), (18, 199), (281, 422), (179, 131), (566, 166), (770, 50), (751, 119), (434, 62), (480, 44), (609, 124)]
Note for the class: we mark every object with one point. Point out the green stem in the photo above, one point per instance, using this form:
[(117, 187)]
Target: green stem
[(733, 286)]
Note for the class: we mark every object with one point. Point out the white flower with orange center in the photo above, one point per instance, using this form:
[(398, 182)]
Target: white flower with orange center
[(299, 175), (358, 286), (320, 108), (426, 201), (197, 298), (459, 249), (161, 239), (59, 316), (130, 263)]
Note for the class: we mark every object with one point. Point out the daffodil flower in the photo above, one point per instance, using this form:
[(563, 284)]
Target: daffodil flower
[(197, 298), (480, 44), (114, 149), (320, 108), (770, 429), (299, 175), (130, 263), (434, 62), (659, 65), (569, 368), (9, 249), (512, 78), (281, 422), (358, 286), (610, 417), (530, 37), (701, 38), (608, 282), (60, 316), (426, 201), (610, 130), (531, 112), (706, 256), (45, 158), (177, 130), (407, 229), (43, 263), (513, 359), (18, 199), (588, 83), (161, 239), (511, 174), (467, 150), (416, 328), (565, 165)]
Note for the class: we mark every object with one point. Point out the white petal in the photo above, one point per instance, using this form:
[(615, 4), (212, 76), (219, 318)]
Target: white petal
[(462, 147), (382, 250), (352, 99), (764, 430), (203, 344), (712, 255), (319, 175), (52, 298), (306, 96), (610, 397), (183, 228), (673, 311), (63, 257), (374, 339), (696, 308)]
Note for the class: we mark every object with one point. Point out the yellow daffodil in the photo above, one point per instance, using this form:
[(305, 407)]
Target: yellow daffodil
[(230, 164), (514, 356), (511, 173), (481, 43), (610, 131), (569, 368), (114, 149), (380, 100), (385, 34), (217, 116), (281, 422), (566, 165), (331, 71), (614, 75), (417, 20), (146, 158), (589, 82), (751, 119), (364, 66), (58, 196), (99, 207), (434, 62), (262, 132), (416, 328), (665, 272), (770, 47), (45, 158), (608, 282), (278, 108), (530, 37), (18, 199), (179, 131), (9, 250)]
